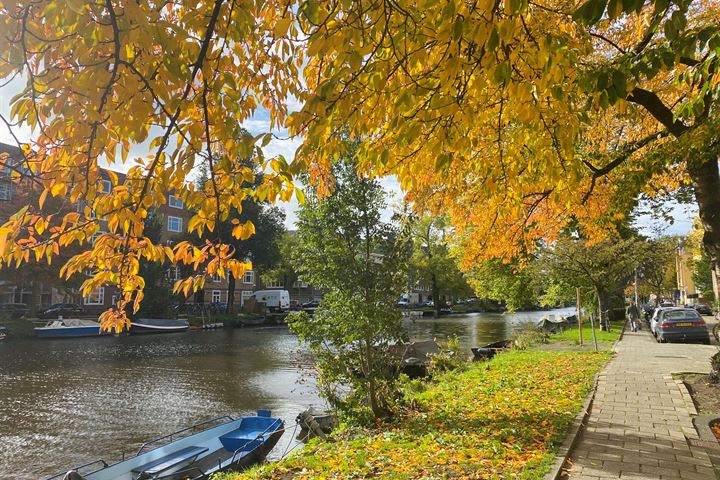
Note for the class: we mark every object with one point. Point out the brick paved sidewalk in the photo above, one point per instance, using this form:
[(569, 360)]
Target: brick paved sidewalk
[(639, 424)]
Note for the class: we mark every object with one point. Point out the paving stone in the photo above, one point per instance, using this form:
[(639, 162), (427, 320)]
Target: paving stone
[(640, 418)]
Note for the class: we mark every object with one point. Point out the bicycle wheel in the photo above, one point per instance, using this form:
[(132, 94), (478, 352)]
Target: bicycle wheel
[(716, 331)]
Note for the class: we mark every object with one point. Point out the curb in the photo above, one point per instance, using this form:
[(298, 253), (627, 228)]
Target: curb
[(563, 454)]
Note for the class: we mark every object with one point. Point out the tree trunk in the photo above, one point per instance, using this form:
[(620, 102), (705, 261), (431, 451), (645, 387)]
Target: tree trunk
[(706, 183), (435, 295), (603, 302), (230, 308)]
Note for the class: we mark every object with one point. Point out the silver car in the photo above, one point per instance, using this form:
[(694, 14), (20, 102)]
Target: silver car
[(681, 325), (656, 316)]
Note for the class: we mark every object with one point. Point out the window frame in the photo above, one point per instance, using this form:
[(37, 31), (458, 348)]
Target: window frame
[(219, 296), (171, 218), (101, 296), (5, 190), (105, 183), (252, 277), (176, 198)]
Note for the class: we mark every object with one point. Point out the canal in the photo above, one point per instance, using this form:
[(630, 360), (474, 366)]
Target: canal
[(66, 402)]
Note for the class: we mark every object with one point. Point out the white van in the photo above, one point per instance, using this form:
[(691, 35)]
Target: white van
[(276, 300)]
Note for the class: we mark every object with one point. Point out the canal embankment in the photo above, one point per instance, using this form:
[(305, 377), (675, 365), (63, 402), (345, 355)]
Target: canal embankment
[(505, 418)]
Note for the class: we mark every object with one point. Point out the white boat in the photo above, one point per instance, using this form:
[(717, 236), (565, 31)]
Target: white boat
[(70, 327)]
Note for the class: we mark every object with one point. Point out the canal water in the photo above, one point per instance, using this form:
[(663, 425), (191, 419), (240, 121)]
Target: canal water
[(68, 401)]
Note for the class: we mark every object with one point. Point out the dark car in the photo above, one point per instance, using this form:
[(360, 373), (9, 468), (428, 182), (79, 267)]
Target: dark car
[(703, 309), (14, 310), (62, 310), (681, 325), (312, 304)]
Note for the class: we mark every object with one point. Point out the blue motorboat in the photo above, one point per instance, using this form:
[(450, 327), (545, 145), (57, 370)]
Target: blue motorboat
[(70, 327), (197, 452)]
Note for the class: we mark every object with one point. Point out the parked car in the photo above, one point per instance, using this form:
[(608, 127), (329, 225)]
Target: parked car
[(655, 317), (62, 310), (683, 325), (14, 310), (311, 304), (703, 309), (403, 304), (666, 304)]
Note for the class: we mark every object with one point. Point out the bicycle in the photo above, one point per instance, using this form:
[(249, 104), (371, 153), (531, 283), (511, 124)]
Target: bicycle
[(716, 327)]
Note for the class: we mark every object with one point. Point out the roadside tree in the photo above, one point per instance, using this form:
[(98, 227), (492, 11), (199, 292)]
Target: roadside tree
[(601, 270)]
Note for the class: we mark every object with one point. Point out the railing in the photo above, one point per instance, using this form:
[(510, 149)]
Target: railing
[(62, 474), (191, 430)]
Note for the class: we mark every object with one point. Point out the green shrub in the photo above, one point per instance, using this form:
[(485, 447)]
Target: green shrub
[(449, 358), (526, 335)]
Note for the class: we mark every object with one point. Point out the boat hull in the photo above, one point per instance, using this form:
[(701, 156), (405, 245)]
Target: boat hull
[(230, 446), (66, 332), (144, 326)]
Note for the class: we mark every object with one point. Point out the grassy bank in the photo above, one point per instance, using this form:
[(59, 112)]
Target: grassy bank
[(572, 335), (500, 419)]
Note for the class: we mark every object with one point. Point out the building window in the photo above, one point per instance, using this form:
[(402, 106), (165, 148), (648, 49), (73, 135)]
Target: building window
[(175, 224), (249, 277), (5, 190), (274, 284), (105, 186), (216, 296), (300, 284), (175, 201), (96, 298), (216, 277), (244, 295)]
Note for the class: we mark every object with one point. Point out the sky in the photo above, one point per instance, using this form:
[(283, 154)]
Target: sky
[(283, 145)]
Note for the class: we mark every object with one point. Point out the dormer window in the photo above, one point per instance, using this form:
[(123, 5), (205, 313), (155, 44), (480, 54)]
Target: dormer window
[(175, 201), (105, 186)]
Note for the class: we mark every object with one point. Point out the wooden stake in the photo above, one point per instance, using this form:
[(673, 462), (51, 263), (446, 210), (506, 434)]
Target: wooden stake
[(579, 315)]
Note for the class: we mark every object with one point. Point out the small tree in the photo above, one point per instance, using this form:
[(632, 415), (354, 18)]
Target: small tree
[(602, 269), (345, 249)]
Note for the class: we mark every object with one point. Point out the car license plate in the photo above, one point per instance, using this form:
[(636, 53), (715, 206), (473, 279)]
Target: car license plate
[(684, 324)]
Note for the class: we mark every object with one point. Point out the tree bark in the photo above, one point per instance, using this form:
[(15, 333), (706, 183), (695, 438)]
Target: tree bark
[(436, 295), (231, 294), (603, 301), (706, 184)]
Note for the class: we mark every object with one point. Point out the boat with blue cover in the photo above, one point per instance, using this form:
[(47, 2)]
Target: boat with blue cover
[(197, 452), (69, 327)]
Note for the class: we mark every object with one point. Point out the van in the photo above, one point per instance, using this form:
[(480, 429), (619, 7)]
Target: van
[(275, 300)]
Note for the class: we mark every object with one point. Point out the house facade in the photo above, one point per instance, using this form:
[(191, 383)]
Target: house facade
[(21, 286)]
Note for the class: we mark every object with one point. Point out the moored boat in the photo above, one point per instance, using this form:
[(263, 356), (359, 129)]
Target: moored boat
[(490, 350), (69, 327), (232, 445), (159, 325)]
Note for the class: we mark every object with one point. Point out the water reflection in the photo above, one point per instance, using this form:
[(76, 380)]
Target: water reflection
[(65, 402)]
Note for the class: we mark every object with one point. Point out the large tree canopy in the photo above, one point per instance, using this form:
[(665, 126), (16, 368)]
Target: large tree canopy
[(512, 117)]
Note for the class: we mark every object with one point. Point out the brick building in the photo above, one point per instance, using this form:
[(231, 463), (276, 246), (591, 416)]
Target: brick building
[(16, 285)]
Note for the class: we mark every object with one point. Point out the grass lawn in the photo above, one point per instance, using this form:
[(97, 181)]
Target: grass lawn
[(572, 335), (500, 419)]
